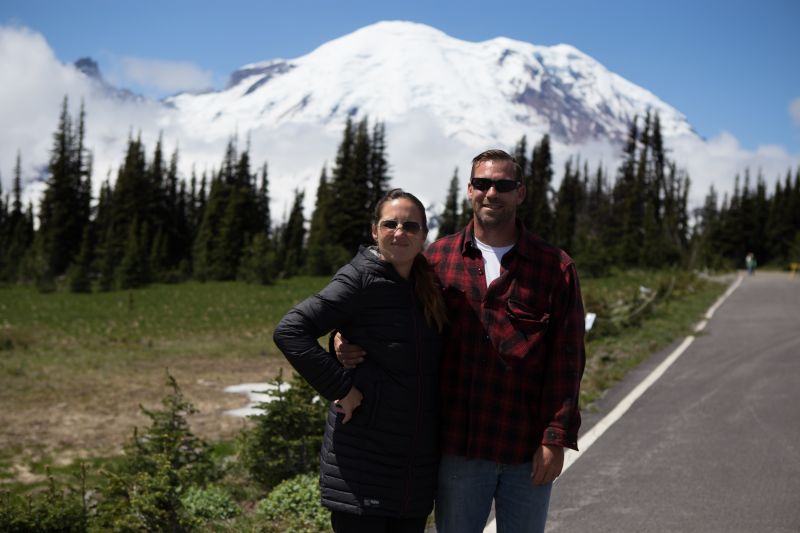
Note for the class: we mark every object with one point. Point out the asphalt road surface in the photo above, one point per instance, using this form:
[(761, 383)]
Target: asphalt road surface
[(714, 444)]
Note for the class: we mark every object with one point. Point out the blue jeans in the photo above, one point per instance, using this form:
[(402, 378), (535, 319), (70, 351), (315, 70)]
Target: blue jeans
[(467, 487)]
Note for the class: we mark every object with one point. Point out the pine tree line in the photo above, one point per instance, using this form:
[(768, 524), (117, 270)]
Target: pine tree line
[(750, 220), (342, 214), (152, 226), (146, 227), (641, 219)]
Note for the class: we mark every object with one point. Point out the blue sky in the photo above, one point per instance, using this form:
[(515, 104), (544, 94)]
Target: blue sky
[(728, 65)]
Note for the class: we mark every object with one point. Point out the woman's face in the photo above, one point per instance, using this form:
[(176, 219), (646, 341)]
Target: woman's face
[(400, 245)]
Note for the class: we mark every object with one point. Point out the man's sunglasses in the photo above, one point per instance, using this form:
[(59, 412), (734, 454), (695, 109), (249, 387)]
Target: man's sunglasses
[(409, 226), (484, 184)]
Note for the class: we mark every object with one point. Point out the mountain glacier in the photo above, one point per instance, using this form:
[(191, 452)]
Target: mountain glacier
[(485, 93)]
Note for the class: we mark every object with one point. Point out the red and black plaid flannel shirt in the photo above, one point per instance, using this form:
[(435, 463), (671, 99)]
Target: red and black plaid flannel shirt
[(513, 353)]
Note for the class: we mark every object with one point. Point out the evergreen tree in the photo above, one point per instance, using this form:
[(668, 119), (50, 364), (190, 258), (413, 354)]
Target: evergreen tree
[(591, 231), (4, 230), (177, 229), (65, 208), (291, 245), (466, 213), (449, 218), (569, 202), (378, 179), (263, 202), (705, 240), (525, 209), (537, 195), (134, 270), (323, 256), (132, 203), (104, 253), (258, 261), (16, 231), (232, 217), (80, 272), (204, 251), (353, 187), (626, 200)]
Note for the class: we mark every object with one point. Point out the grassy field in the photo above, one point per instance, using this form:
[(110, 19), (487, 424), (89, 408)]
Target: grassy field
[(75, 368)]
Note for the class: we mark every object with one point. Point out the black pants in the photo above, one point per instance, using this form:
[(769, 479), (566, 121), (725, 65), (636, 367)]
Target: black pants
[(353, 523)]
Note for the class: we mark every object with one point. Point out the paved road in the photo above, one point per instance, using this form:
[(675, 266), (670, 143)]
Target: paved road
[(714, 444)]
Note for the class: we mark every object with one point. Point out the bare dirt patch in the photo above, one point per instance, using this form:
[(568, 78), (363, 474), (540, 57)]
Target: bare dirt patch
[(66, 417)]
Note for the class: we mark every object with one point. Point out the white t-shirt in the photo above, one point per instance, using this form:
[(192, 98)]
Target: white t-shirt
[(491, 259)]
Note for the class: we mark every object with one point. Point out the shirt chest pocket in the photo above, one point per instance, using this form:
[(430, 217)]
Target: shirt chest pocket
[(524, 331)]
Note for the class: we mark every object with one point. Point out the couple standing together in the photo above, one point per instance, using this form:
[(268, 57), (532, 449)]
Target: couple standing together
[(457, 372)]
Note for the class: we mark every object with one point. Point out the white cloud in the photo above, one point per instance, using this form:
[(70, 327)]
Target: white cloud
[(718, 160), (159, 75), (794, 111), (35, 84)]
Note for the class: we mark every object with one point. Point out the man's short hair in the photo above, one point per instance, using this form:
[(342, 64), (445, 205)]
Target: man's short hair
[(496, 155)]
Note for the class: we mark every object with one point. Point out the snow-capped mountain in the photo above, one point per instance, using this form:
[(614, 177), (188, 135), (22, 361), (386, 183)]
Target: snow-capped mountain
[(442, 100), (479, 93)]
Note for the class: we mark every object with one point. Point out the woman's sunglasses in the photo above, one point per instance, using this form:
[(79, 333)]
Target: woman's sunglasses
[(409, 226), (484, 184)]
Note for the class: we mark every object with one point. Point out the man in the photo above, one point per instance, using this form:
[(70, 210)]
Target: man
[(512, 362)]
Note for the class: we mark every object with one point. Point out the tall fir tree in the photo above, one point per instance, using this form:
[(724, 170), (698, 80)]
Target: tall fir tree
[(569, 203), (525, 209), (625, 223), (265, 214), (359, 179), (16, 231), (449, 219), (591, 232), (378, 180), (291, 251), (134, 198), (465, 215), (80, 272), (231, 219), (65, 205), (537, 193), (323, 255)]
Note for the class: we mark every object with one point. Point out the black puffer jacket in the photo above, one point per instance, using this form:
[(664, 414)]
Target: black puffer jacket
[(384, 461)]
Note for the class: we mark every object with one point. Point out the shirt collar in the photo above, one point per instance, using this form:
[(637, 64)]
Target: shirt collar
[(522, 246)]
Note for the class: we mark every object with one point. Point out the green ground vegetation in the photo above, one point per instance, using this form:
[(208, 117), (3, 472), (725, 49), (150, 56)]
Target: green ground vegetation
[(84, 360)]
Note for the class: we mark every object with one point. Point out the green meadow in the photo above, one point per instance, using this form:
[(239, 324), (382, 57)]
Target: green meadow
[(75, 368)]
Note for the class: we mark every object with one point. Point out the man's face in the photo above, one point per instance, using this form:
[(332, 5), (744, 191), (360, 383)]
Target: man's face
[(494, 209)]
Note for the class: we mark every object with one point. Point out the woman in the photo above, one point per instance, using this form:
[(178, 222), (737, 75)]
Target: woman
[(379, 456)]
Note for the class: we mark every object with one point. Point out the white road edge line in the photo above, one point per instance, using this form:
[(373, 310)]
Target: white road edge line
[(588, 438)]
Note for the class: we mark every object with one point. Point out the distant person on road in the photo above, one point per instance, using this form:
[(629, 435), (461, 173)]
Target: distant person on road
[(512, 361), (380, 452), (750, 263)]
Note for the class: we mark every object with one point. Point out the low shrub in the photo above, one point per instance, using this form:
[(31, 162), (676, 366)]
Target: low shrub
[(62, 510), (293, 507), (209, 503), (286, 438), (146, 491)]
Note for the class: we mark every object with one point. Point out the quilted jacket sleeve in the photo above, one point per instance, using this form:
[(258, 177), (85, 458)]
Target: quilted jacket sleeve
[(297, 333)]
